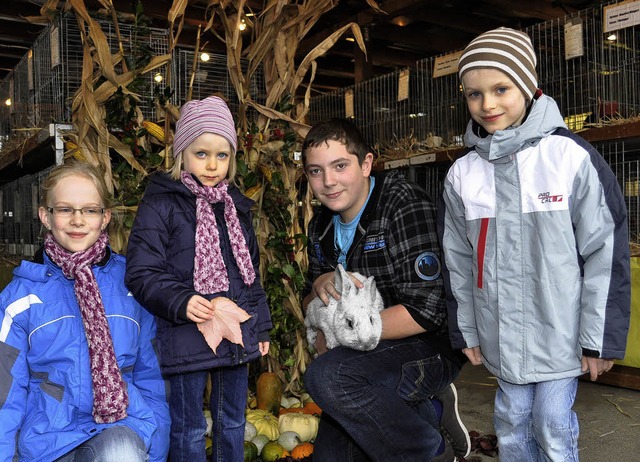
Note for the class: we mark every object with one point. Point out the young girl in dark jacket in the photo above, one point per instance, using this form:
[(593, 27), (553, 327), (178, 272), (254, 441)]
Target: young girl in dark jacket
[(193, 243)]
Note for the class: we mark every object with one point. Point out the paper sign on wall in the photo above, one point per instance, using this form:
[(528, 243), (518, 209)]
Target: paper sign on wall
[(348, 104), (573, 45), (403, 85), (55, 47), (446, 64), (621, 15)]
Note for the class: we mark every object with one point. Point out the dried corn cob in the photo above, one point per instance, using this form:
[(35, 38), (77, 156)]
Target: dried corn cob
[(154, 130)]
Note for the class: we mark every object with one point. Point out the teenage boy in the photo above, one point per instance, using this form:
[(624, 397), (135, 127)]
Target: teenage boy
[(377, 405)]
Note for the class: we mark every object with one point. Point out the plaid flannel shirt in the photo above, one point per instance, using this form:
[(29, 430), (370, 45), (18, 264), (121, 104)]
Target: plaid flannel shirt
[(396, 242)]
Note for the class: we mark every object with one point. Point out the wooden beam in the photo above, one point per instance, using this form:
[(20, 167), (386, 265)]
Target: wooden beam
[(542, 11)]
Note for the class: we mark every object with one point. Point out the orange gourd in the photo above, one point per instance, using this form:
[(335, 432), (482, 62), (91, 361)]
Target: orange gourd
[(302, 450), (291, 410), (312, 408), (269, 392)]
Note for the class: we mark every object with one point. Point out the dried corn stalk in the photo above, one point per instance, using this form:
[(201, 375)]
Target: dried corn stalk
[(276, 30)]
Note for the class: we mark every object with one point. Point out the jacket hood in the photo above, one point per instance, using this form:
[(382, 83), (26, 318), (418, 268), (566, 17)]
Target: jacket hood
[(544, 118), (162, 183)]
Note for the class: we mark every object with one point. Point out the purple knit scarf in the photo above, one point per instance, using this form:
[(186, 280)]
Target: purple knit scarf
[(210, 272), (110, 399)]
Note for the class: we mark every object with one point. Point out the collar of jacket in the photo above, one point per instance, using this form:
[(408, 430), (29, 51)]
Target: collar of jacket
[(161, 182), (325, 219), (543, 119)]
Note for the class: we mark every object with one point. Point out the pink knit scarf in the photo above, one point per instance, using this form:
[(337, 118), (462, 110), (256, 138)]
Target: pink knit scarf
[(110, 399), (210, 272)]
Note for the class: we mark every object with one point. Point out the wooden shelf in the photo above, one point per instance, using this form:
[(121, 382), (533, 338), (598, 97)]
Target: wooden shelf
[(595, 134)]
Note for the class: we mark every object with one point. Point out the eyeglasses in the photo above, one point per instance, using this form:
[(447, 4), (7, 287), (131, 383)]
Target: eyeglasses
[(87, 212)]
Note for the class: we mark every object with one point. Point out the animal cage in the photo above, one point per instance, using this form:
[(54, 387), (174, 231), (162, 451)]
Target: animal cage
[(624, 159), (382, 115), (212, 78), (20, 229), (57, 66), (601, 84)]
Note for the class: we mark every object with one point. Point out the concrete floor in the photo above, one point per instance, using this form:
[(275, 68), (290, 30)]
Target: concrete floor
[(609, 416)]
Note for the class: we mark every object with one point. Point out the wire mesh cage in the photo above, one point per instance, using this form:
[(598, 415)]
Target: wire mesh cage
[(211, 77), (595, 85), (624, 159), (602, 81), (5, 110), (20, 228), (57, 65)]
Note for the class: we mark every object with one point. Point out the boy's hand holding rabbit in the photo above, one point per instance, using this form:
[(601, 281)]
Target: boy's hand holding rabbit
[(324, 286)]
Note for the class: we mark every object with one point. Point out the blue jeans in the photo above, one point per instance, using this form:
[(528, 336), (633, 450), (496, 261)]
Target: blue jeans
[(113, 444), (376, 403), (536, 422), (227, 403)]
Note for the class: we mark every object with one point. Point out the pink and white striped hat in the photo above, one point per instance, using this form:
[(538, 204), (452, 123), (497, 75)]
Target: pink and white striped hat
[(210, 115)]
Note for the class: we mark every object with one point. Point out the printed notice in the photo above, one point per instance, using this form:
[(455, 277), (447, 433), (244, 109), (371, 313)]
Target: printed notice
[(621, 15), (348, 104), (446, 64), (55, 47), (573, 45), (403, 85), (30, 72)]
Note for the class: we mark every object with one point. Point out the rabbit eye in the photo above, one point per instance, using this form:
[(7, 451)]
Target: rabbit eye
[(350, 323)]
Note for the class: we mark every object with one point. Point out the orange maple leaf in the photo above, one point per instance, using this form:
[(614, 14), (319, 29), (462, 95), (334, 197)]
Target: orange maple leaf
[(225, 323)]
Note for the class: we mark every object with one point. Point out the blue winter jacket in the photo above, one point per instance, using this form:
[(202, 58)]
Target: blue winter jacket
[(160, 258), (46, 394)]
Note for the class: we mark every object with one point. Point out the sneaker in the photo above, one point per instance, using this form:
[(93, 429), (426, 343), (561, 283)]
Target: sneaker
[(448, 455), (451, 425)]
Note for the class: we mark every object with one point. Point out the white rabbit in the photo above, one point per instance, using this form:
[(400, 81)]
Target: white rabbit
[(354, 320)]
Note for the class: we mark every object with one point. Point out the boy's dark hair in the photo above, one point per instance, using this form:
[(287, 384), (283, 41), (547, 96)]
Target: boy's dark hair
[(336, 129)]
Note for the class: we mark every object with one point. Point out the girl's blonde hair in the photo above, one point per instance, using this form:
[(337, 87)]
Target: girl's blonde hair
[(176, 169), (74, 167)]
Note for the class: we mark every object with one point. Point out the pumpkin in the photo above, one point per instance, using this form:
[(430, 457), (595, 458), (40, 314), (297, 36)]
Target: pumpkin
[(302, 450), (289, 402), (273, 451), (311, 408), (289, 440), (260, 441), (305, 425), (265, 422), (284, 410), (249, 431), (250, 452), (269, 392)]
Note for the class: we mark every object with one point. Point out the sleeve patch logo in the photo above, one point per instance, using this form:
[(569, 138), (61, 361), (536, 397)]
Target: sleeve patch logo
[(427, 266)]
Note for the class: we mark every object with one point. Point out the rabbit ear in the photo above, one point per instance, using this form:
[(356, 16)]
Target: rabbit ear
[(342, 280), (370, 284)]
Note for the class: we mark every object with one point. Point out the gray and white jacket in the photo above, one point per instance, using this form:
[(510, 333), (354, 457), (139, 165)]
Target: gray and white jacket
[(536, 249)]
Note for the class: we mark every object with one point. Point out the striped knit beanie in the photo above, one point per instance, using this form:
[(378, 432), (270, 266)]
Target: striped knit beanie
[(506, 50), (210, 115)]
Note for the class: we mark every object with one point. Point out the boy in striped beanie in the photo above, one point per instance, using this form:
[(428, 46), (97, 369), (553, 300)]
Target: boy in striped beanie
[(535, 242), (500, 56)]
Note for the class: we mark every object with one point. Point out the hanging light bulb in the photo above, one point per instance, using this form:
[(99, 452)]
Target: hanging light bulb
[(158, 77), (243, 25), (7, 102), (204, 56)]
